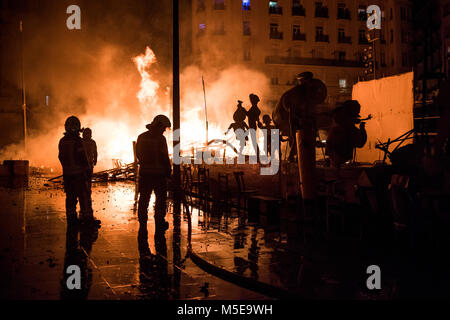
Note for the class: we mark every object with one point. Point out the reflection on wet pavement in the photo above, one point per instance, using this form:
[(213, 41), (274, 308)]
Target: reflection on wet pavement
[(36, 247), (123, 261)]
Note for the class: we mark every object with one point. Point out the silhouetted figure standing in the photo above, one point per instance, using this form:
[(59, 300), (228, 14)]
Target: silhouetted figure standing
[(75, 171), (268, 127), (154, 171), (344, 136), (253, 120), (239, 123), (91, 153)]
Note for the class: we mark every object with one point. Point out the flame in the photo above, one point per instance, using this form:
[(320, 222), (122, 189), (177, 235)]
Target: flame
[(119, 135), (193, 122)]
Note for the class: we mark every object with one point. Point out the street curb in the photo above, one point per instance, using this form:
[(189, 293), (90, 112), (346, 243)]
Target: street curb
[(245, 282)]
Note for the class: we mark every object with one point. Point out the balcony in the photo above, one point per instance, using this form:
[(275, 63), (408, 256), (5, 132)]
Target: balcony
[(321, 12), (344, 14), (298, 11), (276, 35), (275, 10), (345, 39), (313, 61), (299, 36), (362, 15), (322, 38)]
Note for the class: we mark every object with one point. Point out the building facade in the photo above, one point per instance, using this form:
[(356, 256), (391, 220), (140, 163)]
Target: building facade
[(285, 37)]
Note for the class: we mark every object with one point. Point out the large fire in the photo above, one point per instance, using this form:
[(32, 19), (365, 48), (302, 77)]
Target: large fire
[(193, 127)]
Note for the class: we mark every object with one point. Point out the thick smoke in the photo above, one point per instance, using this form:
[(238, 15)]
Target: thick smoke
[(98, 81)]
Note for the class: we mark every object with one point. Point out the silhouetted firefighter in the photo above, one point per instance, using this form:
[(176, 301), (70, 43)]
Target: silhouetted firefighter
[(75, 164), (91, 152), (253, 120), (154, 171), (344, 136), (297, 110), (239, 123)]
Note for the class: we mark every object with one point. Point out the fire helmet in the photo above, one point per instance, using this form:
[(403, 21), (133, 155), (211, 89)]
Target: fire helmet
[(161, 121), (72, 124), (87, 132)]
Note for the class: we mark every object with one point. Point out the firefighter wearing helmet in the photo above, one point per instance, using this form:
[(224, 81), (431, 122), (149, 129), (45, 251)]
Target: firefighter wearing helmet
[(75, 165), (154, 171)]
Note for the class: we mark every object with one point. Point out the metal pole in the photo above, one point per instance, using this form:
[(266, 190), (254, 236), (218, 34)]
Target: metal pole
[(176, 85), (374, 60), (206, 110), (24, 97)]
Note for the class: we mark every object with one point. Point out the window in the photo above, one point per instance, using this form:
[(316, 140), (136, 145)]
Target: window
[(297, 8), (201, 5), (404, 13), (274, 33), (245, 5), (219, 4), (321, 11), (274, 8), (362, 36), (296, 33), (392, 36), (343, 12), (319, 31), (342, 83), (246, 28), (341, 55), (341, 33), (201, 29), (390, 15), (362, 15)]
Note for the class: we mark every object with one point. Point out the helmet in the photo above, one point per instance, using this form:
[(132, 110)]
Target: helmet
[(253, 98), (72, 124), (87, 132), (161, 121), (266, 118)]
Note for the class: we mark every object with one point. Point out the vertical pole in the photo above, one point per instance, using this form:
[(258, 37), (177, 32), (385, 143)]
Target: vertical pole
[(24, 98), (374, 60), (136, 174), (206, 110), (176, 86)]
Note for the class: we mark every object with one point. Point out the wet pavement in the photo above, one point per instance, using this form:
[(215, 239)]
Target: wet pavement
[(284, 261), (36, 247)]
